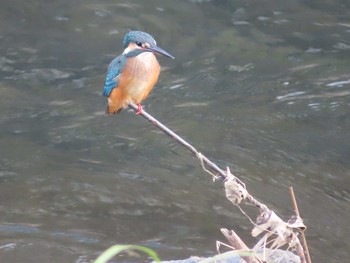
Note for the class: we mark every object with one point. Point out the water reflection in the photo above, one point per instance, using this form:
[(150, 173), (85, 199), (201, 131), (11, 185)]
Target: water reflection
[(261, 88)]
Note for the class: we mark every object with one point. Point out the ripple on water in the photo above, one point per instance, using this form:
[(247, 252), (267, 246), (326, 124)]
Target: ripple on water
[(74, 236), (338, 83), (290, 96)]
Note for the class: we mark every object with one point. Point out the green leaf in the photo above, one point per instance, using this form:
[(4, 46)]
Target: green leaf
[(116, 249)]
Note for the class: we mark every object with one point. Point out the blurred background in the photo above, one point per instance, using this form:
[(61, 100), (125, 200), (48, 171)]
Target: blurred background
[(260, 86)]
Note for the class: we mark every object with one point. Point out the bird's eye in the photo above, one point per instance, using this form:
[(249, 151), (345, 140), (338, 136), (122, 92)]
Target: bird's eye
[(139, 44)]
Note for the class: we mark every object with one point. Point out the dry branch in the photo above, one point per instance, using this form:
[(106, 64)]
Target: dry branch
[(276, 232), (303, 237), (237, 243)]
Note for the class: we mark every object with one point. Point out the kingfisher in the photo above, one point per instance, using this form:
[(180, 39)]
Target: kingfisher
[(132, 75)]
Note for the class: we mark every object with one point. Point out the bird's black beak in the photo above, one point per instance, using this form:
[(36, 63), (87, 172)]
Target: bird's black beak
[(160, 51)]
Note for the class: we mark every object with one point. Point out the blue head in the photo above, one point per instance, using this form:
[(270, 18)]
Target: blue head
[(145, 42)]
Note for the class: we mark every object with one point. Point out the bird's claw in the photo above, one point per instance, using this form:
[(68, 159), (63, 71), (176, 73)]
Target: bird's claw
[(139, 109)]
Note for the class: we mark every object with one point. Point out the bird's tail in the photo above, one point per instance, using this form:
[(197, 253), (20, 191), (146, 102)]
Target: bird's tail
[(110, 111), (117, 100)]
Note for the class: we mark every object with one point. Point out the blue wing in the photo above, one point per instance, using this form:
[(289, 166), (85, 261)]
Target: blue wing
[(114, 70)]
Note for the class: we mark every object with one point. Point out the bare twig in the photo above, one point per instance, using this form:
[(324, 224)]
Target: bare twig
[(225, 176), (238, 244), (221, 173), (303, 237), (235, 190)]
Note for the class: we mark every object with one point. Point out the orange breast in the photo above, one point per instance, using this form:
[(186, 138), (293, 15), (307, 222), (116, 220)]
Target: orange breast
[(141, 74)]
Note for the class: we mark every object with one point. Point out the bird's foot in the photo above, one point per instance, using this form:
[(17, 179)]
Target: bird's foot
[(139, 109)]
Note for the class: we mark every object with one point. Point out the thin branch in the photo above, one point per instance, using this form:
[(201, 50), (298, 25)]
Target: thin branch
[(221, 173), (235, 191), (238, 244), (303, 237)]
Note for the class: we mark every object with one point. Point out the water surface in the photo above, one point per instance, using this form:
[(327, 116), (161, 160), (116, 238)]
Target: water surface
[(260, 87)]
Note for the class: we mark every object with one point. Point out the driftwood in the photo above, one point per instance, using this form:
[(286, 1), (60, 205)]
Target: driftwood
[(274, 232), (237, 244)]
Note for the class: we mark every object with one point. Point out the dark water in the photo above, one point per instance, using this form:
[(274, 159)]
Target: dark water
[(260, 86)]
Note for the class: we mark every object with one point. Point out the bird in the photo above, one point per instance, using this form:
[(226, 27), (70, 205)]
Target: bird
[(132, 75)]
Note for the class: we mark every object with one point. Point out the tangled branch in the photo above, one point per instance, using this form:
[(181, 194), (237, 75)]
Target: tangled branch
[(274, 231)]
